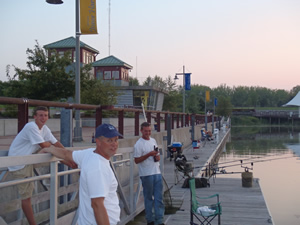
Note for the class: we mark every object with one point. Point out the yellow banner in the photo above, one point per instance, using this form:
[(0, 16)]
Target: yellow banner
[(145, 101), (207, 94), (88, 17)]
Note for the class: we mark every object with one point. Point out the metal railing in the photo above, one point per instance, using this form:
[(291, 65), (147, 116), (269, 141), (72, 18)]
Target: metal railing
[(294, 114), (122, 163), (129, 187), (177, 118)]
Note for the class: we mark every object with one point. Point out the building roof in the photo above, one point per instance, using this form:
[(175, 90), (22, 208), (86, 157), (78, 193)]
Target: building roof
[(69, 42), (110, 61)]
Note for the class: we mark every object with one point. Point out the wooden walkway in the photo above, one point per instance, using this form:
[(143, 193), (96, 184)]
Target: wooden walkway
[(241, 206)]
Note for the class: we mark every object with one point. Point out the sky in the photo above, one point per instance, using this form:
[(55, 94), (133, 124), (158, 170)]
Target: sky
[(231, 42)]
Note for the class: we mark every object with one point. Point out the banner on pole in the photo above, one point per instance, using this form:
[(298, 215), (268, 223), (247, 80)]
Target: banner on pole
[(88, 17), (187, 77), (216, 101), (207, 96)]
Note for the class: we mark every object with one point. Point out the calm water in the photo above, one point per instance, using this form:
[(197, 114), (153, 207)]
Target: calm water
[(275, 164)]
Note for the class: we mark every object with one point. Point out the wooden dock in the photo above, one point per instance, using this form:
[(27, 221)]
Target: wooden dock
[(240, 205)]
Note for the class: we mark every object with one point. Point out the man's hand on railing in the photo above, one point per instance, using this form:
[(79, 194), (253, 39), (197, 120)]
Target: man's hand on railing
[(51, 149), (45, 150), (71, 164)]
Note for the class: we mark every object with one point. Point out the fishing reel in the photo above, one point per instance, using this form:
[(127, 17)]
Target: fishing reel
[(183, 166), (246, 167)]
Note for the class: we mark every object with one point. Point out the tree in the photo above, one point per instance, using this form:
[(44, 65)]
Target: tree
[(195, 98), (192, 103), (240, 96), (133, 81), (294, 91), (199, 92), (222, 90), (253, 97), (171, 102), (156, 82), (280, 97), (96, 92), (45, 77), (265, 97), (224, 107), (2, 88), (170, 84)]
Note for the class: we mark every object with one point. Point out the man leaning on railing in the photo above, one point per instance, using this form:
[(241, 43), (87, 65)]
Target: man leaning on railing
[(34, 136), (98, 199)]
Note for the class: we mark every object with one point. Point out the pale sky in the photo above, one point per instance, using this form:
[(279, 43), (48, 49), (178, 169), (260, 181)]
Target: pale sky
[(232, 42)]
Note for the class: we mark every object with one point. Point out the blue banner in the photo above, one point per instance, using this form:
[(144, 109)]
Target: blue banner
[(187, 77), (216, 101)]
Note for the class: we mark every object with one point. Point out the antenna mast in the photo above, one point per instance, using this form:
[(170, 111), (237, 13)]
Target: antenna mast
[(108, 27), (136, 67)]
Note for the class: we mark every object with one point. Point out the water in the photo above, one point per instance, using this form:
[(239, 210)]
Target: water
[(275, 164)]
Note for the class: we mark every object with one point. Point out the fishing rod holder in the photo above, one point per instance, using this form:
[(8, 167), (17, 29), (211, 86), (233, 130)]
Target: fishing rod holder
[(246, 167)]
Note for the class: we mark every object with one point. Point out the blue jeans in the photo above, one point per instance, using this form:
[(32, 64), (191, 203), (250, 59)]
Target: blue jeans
[(153, 187)]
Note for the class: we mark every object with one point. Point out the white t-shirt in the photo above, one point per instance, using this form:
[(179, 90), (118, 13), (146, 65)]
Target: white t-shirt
[(96, 180), (28, 140), (148, 166)]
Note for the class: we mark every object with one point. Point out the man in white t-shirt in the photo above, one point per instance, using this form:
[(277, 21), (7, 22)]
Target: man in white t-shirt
[(98, 199), (34, 136), (147, 158)]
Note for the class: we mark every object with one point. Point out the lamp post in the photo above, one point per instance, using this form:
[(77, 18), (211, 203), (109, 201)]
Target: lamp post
[(77, 129), (213, 120), (183, 91), (205, 112)]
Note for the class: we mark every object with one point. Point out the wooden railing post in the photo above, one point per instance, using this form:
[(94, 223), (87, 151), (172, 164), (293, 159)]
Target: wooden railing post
[(22, 114), (172, 123), (53, 193), (121, 122), (158, 121), (99, 116), (136, 123), (148, 115), (166, 119)]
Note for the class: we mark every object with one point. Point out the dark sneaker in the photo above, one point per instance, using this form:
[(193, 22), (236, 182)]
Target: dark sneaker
[(152, 223)]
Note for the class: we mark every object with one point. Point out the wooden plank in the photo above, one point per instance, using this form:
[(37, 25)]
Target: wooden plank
[(15, 204), (243, 206)]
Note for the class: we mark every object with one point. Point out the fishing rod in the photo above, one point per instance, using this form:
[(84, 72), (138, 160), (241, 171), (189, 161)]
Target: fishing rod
[(241, 162), (183, 167), (222, 170), (256, 157), (257, 161)]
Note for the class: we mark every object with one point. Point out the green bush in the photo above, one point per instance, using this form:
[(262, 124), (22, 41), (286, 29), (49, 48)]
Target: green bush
[(10, 111), (244, 120)]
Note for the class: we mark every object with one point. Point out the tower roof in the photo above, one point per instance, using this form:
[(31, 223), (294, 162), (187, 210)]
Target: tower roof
[(111, 61), (69, 42)]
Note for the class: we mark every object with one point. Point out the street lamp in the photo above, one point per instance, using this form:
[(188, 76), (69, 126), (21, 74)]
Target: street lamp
[(183, 92), (77, 129), (205, 114)]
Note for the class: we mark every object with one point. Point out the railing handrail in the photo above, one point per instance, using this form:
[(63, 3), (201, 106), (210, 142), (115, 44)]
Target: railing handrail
[(66, 105), (6, 161)]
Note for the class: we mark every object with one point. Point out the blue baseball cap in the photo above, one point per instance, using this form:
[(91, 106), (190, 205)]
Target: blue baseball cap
[(107, 130)]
